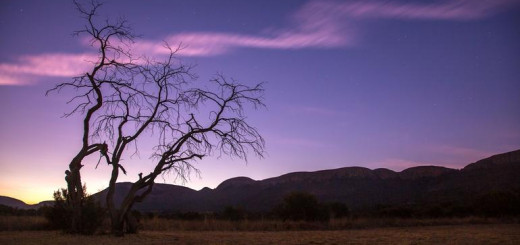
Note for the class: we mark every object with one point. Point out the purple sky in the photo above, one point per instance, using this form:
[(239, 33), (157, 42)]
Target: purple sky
[(375, 83)]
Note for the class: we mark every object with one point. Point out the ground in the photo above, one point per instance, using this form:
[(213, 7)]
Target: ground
[(460, 234)]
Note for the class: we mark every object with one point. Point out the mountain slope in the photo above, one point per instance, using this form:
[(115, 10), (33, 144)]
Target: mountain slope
[(12, 202), (355, 186)]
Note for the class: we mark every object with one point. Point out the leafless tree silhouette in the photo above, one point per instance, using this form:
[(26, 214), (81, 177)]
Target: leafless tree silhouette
[(90, 96), (124, 98)]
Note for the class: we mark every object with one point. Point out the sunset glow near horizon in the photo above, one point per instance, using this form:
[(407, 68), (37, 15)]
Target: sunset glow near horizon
[(390, 84)]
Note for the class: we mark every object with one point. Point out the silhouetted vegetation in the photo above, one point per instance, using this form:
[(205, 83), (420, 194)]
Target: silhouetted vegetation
[(60, 216), (10, 211), (298, 206), (297, 211), (338, 210), (233, 213), (305, 207), (491, 204), (498, 204)]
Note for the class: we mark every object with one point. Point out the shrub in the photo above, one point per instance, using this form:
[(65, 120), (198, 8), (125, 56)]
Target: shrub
[(301, 206), (60, 215), (233, 214), (498, 204), (338, 210)]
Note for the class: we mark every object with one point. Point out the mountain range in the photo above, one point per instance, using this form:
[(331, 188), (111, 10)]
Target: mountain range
[(356, 186)]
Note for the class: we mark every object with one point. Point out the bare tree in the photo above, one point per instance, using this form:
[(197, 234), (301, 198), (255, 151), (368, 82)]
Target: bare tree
[(124, 98), (89, 98), (185, 133)]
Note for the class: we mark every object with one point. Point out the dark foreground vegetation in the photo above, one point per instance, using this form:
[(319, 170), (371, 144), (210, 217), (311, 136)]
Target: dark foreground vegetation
[(297, 211)]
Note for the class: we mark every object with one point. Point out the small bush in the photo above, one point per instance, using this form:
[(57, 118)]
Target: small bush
[(233, 214), (338, 210), (298, 206), (60, 215)]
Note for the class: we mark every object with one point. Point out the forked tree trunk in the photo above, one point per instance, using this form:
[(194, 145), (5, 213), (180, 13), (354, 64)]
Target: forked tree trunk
[(122, 218), (132, 224), (124, 223)]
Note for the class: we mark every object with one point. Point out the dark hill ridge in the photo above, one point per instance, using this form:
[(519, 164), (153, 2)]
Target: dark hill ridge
[(425, 172), (494, 161), (237, 181), (355, 186), (12, 202)]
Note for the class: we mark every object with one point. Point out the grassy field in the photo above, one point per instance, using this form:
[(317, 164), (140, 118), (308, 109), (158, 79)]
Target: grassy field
[(458, 234), (22, 223), (161, 224), (33, 223)]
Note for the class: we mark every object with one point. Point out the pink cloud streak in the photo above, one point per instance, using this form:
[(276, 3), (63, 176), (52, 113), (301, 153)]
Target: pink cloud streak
[(50, 65), (317, 24), (327, 24), (214, 43)]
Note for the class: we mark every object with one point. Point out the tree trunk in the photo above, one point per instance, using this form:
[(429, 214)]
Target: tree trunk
[(117, 223), (123, 221), (120, 217), (132, 223), (75, 193)]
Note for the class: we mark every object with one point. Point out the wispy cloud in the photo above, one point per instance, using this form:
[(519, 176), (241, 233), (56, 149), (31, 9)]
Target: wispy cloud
[(437, 10), (317, 24), (303, 35), (51, 65), (328, 24), (13, 79), (287, 40)]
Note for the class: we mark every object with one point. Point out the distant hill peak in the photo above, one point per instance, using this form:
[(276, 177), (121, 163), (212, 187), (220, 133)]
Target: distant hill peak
[(205, 189), (384, 173), (13, 202), (425, 171), (499, 159), (235, 182)]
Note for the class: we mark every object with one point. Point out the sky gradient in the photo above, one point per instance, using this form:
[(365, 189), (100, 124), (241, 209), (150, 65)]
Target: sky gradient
[(376, 83)]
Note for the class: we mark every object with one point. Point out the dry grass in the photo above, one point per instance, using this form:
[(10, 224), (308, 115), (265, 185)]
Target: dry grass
[(25, 223), (22, 223), (160, 224), (460, 234)]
